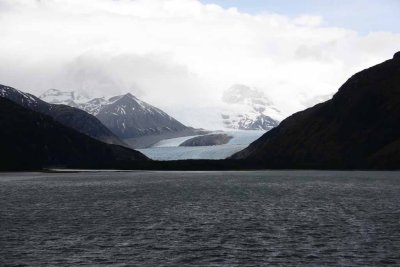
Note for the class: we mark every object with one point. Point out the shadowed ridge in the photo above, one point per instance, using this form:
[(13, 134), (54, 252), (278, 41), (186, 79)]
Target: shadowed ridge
[(358, 128), (31, 140), (396, 55), (69, 116)]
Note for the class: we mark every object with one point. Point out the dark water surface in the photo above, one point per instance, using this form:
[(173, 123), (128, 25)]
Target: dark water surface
[(303, 218)]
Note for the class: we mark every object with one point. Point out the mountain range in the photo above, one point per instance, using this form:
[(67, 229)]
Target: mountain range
[(246, 108), (33, 140), (69, 116), (357, 129), (131, 119)]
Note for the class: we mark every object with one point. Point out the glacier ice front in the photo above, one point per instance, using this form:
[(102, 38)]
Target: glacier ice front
[(169, 149)]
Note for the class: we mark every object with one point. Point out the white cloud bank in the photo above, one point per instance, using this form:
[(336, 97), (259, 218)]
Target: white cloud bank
[(178, 54)]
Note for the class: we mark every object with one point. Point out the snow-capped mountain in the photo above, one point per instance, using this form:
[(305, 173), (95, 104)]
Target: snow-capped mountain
[(248, 109), (69, 98), (249, 122), (24, 99), (129, 117), (95, 105), (126, 116)]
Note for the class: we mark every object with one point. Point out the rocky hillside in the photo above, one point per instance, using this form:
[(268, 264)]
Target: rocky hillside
[(31, 140), (69, 116), (358, 128)]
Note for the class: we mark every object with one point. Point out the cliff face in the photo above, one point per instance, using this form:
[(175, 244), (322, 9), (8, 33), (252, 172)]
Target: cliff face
[(357, 128)]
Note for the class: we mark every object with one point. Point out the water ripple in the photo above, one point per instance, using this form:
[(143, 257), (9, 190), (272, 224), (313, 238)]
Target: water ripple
[(200, 218)]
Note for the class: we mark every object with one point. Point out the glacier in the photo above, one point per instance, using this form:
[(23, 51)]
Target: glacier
[(169, 149)]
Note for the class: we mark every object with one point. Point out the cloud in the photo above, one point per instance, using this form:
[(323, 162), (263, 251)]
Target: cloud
[(178, 53), (152, 76)]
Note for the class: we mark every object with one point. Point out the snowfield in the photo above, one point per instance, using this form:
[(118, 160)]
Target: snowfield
[(169, 149)]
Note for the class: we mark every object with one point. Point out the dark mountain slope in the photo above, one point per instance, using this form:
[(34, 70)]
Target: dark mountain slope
[(358, 128), (31, 140), (66, 115)]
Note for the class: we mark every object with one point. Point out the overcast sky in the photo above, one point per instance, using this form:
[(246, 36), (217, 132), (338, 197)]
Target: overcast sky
[(184, 53)]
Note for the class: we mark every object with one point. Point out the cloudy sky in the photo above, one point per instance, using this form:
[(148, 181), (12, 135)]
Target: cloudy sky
[(181, 55)]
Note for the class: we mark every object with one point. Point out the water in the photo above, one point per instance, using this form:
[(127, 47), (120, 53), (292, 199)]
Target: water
[(306, 218)]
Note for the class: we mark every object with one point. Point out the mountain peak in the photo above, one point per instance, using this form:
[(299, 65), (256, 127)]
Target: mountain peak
[(248, 108), (125, 115), (127, 96), (130, 117), (396, 55), (130, 96)]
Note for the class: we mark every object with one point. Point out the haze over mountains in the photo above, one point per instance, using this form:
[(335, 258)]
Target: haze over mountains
[(358, 128), (141, 125), (125, 115), (250, 109), (136, 124), (244, 108), (131, 119), (70, 98)]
